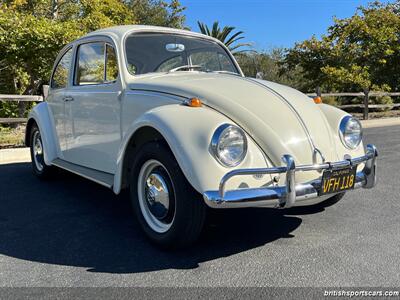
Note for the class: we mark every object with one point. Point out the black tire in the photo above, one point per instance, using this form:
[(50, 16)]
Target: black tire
[(39, 167), (186, 210)]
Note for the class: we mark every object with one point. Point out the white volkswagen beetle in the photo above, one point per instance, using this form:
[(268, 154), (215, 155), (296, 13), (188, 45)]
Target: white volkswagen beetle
[(168, 114)]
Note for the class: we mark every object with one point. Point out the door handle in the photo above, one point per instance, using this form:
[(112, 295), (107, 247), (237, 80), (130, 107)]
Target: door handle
[(68, 99)]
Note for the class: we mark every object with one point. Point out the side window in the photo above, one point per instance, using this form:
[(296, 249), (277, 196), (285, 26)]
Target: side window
[(111, 64), (61, 73), (90, 65)]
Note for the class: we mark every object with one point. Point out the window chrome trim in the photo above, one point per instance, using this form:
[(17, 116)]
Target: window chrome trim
[(188, 34), (76, 63)]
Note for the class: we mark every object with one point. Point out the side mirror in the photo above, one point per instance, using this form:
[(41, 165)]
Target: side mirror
[(45, 91)]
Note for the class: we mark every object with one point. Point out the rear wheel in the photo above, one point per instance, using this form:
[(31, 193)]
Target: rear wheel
[(169, 210), (39, 167)]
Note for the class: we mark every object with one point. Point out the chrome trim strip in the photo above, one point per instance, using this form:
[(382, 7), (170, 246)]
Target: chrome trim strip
[(287, 196), (149, 92)]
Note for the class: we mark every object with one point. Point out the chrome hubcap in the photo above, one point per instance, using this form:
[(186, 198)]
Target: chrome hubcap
[(156, 196), (38, 151)]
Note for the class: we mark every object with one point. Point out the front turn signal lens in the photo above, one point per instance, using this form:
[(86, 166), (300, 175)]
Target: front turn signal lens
[(317, 100), (194, 102)]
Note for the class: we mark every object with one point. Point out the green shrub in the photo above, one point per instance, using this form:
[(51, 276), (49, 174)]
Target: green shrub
[(383, 100), (331, 100)]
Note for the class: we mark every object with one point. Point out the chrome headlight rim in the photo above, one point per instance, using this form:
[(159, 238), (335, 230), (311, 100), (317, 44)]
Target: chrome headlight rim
[(342, 132), (218, 133)]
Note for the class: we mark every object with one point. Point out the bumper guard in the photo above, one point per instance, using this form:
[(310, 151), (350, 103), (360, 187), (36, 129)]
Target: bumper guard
[(287, 195)]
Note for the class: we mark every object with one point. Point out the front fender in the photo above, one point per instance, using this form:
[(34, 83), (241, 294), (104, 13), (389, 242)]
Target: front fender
[(334, 115), (188, 132), (41, 115)]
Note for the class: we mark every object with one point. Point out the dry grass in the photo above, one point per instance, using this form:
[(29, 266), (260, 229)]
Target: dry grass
[(12, 137)]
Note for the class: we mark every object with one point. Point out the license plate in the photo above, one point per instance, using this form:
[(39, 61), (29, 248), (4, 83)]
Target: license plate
[(335, 181)]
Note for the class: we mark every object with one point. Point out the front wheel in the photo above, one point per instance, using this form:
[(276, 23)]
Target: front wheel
[(169, 210), (39, 167)]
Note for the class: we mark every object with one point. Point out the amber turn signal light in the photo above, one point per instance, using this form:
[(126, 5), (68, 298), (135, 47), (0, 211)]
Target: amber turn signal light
[(194, 102), (317, 100)]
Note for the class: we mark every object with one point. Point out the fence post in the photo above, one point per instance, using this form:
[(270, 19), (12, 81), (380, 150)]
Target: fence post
[(318, 91), (366, 103), (21, 112)]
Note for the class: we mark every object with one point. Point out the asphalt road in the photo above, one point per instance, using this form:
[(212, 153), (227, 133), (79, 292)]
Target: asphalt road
[(71, 232)]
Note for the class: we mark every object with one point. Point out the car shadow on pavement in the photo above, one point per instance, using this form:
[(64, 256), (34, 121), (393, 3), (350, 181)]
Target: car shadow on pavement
[(71, 221)]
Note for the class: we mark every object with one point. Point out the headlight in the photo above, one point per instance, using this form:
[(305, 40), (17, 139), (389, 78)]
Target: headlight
[(350, 132), (229, 145)]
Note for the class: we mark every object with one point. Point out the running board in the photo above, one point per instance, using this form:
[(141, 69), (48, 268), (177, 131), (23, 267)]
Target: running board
[(105, 179)]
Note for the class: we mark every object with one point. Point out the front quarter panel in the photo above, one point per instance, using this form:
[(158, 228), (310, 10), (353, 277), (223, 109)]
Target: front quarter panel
[(41, 114), (188, 132)]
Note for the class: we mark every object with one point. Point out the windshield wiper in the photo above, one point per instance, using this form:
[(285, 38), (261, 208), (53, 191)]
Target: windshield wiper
[(186, 67)]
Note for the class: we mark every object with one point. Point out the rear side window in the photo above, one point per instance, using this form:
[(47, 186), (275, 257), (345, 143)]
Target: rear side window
[(96, 64), (61, 73)]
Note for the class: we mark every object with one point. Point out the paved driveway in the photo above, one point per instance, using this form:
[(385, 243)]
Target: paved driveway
[(71, 232)]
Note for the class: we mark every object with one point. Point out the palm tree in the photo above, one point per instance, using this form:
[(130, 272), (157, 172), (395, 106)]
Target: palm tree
[(223, 36)]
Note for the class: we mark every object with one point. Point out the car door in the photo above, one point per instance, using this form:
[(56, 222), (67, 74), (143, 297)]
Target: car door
[(95, 107), (56, 100)]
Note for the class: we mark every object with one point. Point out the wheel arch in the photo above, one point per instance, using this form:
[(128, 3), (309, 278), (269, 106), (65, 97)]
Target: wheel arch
[(40, 116), (141, 136), (31, 122)]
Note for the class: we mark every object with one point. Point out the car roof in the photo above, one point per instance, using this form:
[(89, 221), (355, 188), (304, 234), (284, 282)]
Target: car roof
[(121, 31)]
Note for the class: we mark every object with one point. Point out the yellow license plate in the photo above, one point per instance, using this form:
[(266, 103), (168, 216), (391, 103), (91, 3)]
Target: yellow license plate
[(336, 181)]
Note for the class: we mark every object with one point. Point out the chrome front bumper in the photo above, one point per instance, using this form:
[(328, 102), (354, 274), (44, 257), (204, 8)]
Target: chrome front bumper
[(291, 194)]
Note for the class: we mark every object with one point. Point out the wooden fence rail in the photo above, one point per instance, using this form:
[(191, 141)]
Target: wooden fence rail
[(366, 103), (366, 95), (21, 99)]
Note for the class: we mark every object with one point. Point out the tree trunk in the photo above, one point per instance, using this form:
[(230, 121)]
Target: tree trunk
[(54, 9)]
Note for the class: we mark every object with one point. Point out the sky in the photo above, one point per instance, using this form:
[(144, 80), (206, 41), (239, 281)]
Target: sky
[(271, 23)]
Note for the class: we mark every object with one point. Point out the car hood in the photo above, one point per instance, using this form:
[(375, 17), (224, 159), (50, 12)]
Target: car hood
[(280, 120)]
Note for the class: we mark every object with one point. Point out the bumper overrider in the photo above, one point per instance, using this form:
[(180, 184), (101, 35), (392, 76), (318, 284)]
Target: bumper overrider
[(292, 193)]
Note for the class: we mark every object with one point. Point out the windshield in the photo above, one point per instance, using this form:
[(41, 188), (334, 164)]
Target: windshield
[(159, 52)]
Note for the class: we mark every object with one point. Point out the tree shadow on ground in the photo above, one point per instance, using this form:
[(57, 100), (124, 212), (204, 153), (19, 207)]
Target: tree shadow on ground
[(71, 221)]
